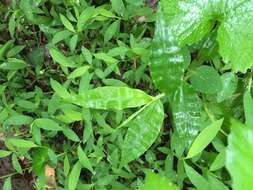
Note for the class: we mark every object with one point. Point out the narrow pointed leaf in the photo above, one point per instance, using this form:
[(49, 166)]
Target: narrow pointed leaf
[(204, 138), (248, 107), (83, 159), (74, 176)]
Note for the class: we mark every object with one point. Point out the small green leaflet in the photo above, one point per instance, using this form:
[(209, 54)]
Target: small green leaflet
[(61, 35), (168, 60), (59, 89), (197, 180), (15, 164), (47, 124), (142, 132), (118, 6), (206, 75), (219, 161), (239, 157), (61, 59), (4, 153), (117, 98), (155, 181), (111, 30), (67, 23), (85, 16), (78, 72), (83, 159), (106, 58), (19, 120), (20, 143), (248, 107), (66, 166), (70, 134), (74, 176), (186, 109), (204, 138), (7, 184)]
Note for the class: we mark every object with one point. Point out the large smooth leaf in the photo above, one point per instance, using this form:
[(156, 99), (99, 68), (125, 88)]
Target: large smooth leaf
[(204, 138), (168, 60), (239, 156), (47, 124), (142, 132), (235, 35), (206, 79), (20, 143), (186, 109), (155, 181), (113, 98)]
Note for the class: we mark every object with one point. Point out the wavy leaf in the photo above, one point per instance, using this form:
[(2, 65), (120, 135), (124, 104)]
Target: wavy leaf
[(186, 109), (142, 132), (113, 98), (168, 60)]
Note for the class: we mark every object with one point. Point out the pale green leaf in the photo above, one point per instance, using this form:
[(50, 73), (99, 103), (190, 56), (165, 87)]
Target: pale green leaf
[(204, 138), (248, 107), (61, 59), (21, 143), (74, 176), (7, 184), (67, 23), (47, 124), (83, 159), (59, 89), (85, 16), (111, 30), (239, 157), (4, 153), (78, 72)]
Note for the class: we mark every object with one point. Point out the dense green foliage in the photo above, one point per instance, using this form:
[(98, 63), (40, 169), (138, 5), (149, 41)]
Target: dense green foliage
[(127, 94)]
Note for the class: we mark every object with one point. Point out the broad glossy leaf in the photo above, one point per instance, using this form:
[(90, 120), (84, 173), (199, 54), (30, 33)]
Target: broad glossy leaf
[(47, 124), (229, 84), (248, 107), (21, 143), (189, 20), (235, 35), (155, 181), (168, 60), (74, 176), (204, 138), (206, 79), (142, 132), (113, 98), (83, 159), (197, 180), (186, 109), (239, 157)]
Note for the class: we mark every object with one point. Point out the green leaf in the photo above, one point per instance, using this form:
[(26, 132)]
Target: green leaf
[(186, 109), (61, 59), (142, 132), (118, 6), (15, 164), (47, 124), (19, 120), (13, 64), (61, 35), (67, 23), (7, 184), (204, 138), (155, 181), (113, 98), (189, 20), (40, 156), (85, 16), (87, 55), (74, 176), (20, 143), (219, 161), (229, 84), (197, 180), (239, 157), (4, 153), (168, 60), (237, 30), (248, 107), (106, 58), (206, 75), (78, 72), (73, 42), (12, 24), (70, 134), (83, 159), (66, 166), (216, 184), (4, 48), (60, 90), (111, 30)]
